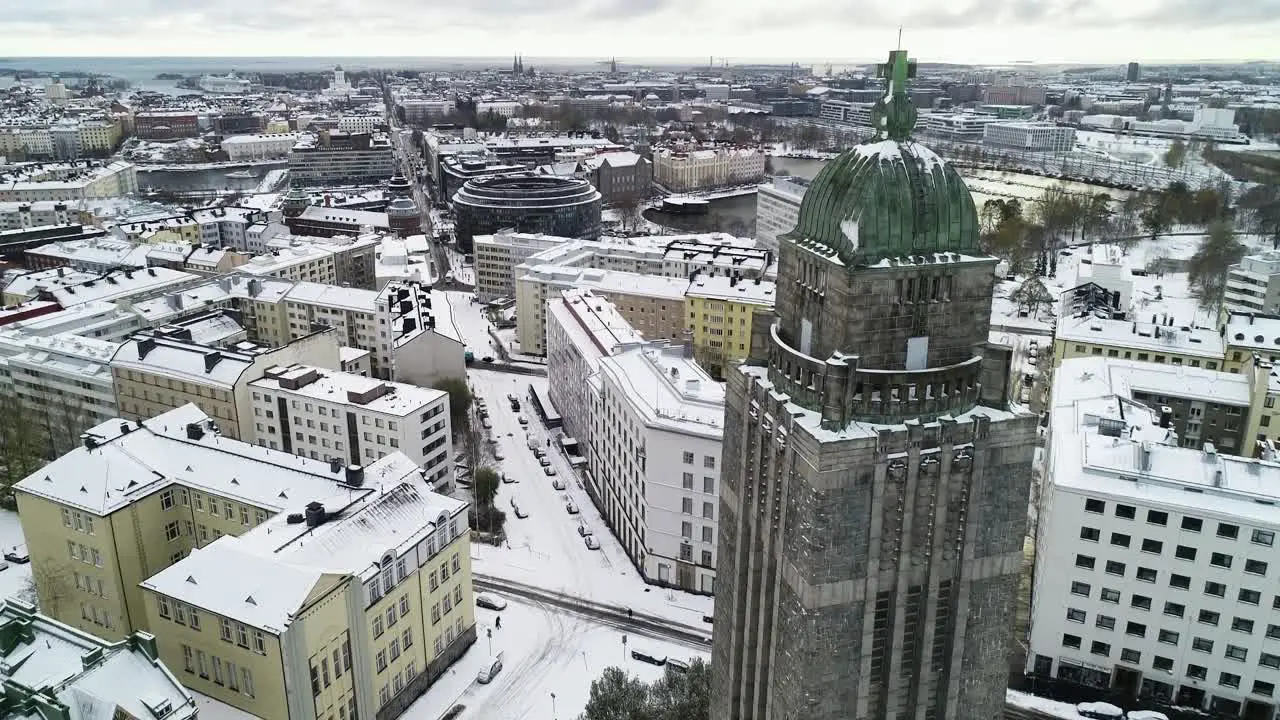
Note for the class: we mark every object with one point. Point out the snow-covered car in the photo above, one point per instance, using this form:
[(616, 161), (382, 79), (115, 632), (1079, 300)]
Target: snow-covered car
[(497, 455), (508, 479), (543, 462), (489, 601), (1100, 711), (487, 359), (570, 508), (550, 471), (18, 555), (522, 420), (591, 542), (584, 529), (557, 484), (521, 513)]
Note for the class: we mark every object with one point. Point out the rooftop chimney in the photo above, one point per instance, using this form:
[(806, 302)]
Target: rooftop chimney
[(315, 514), (195, 431), (1166, 416)]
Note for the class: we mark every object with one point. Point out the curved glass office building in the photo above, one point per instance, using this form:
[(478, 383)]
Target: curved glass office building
[(548, 204)]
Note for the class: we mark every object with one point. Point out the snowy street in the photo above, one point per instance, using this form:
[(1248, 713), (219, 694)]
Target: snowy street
[(545, 651), (545, 549)]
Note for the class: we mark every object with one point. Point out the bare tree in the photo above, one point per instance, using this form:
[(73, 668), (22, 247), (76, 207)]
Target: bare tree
[(50, 587), (22, 444)]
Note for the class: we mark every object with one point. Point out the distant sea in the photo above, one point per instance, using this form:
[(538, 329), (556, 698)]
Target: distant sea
[(141, 71)]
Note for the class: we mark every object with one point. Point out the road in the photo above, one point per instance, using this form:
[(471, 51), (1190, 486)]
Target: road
[(410, 162)]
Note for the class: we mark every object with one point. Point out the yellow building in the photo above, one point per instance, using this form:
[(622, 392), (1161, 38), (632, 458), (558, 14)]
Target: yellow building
[(358, 590), (718, 313), (178, 229), (1090, 336), (100, 137)]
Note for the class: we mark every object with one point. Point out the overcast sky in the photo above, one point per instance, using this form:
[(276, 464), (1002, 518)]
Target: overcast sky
[(983, 31)]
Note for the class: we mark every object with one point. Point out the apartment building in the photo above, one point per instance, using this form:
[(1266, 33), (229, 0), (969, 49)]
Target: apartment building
[(323, 414), (497, 256), (622, 178), (48, 668), (655, 463), (1249, 334), (1029, 136), (1253, 284), (260, 146), (582, 328), (654, 305), (252, 567), (335, 157), (718, 314), (778, 208), (1153, 578), (1158, 342), (62, 381), (687, 170), (98, 255), (226, 227), (155, 371), (71, 288), (63, 182), (17, 215)]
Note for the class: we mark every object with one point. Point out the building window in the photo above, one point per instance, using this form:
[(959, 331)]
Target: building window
[(1085, 561), (1075, 615), (1209, 617), (1120, 539), (1152, 546), (1100, 648), (1079, 588), (1183, 552), (1090, 534), (1255, 567), (1235, 652), (1230, 680), (1203, 645), (1128, 512), (1215, 589), (1115, 567), (1111, 596), (1180, 582), (1071, 641), (1229, 531), (1163, 664), (1175, 609), (1105, 622), (688, 458), (1133, 657), (1264, 537), (1191, 524), (1094, 506), (1157, 517), (1168, 637), (1147, 574), (1250, 597), (1243, 625), (1198, 672)]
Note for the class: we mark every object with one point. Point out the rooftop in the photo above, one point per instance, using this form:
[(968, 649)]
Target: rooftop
[(591, 320), (180, 359), (355, 299), (93, 678), (130, 461), (1254, 331), (605, 280), (1184, 340), (728, 289), (378, 396), (1108, 446), (668, 389)]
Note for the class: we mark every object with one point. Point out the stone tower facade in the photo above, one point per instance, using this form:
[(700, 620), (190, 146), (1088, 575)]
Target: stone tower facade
[(875, 487)]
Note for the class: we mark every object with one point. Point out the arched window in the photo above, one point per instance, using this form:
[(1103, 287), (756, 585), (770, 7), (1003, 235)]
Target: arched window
[(388, 572)]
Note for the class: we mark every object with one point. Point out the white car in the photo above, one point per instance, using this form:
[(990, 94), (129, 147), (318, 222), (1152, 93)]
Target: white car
[(550, 471), (523, 420), (584, 529), (592, 542), (508, 479), (570, 508), (557, 484), (490, 671), (490, 601)]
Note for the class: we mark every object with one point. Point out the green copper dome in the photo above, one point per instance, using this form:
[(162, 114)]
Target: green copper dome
[(890, 197)]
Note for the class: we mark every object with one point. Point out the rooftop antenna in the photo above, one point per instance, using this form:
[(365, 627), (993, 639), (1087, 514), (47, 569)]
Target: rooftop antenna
[(899, 37)]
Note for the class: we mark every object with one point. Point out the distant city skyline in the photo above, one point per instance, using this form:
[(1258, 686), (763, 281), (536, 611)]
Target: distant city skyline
[(809, 31)]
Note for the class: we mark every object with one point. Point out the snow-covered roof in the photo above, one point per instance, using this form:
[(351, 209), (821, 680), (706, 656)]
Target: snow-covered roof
[(131, 460), (1105, 445), (668, 390), (1198, 342), (722, 287), (182, 360), (333, 296), (53, 659), (327, 386)]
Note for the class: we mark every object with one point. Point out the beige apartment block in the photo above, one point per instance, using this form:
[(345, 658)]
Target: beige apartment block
[(153, 373)]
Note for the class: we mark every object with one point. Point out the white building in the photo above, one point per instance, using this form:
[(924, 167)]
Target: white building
[(1253, 285), (582, 328), (1153, 562), (496, 257), (69, 181), (964, 126), (323, 414), (1108, 270), (227, 84), (363, 123), (15, 215), (684, 171), (1029, 136), (655, 459), (63, 380), (778, 209), (262, 146)]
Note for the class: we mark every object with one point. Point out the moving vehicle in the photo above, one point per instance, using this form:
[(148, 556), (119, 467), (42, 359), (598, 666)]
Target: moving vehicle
[(468, 357), (18, 555), (570, 508), (489, 601), (539, 452), (592, 542), (490, 671)]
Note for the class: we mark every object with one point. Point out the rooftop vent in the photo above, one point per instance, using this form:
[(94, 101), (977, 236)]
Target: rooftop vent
[(315, 514), (1166, 416), (195, 431), (355, 475)]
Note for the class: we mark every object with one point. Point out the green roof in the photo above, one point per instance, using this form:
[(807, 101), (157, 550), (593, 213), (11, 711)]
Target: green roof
[(890, 197)]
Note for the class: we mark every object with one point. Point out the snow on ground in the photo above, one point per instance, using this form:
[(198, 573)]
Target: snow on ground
[(13, 580), (462, 271), (545, 651), (1067, 711), (211, 709), (1007, 185), (545, 549), (260, 201), (470, 322), (272, 179)]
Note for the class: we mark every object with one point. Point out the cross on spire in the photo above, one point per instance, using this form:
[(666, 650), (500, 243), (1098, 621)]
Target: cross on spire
[(896, 116)]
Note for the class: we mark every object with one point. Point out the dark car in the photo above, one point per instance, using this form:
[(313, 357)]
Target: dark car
[(647, 658), (454, 712), (487, 359)]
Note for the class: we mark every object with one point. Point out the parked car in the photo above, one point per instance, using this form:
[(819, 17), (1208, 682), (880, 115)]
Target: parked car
[(544, 462), (539, 452), (1145, 715), (497, 455), (18, 555), (486, 424), (508, 479), (487, 359), (570, 508), (522, 420), (490, 671), (677, 665), (454, 712), (550, 471), (645, 657), (521, 513), (584, 529), (592, 542), (557, 484), (4, 565), (1099, 711), (490, 601)]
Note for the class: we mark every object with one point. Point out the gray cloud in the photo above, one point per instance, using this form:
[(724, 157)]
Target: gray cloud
[(1214, 13)]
